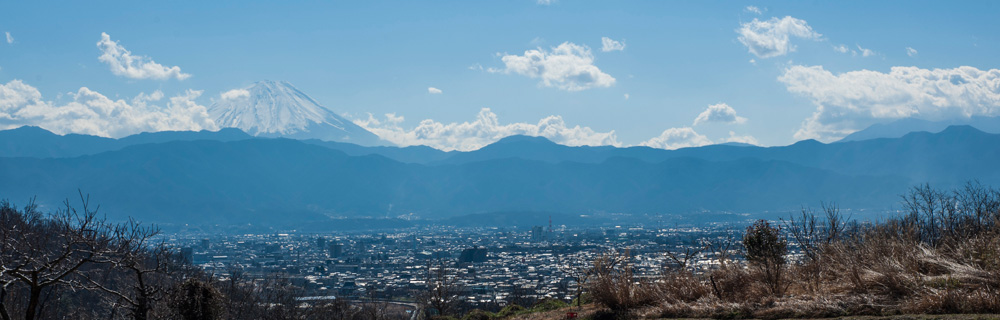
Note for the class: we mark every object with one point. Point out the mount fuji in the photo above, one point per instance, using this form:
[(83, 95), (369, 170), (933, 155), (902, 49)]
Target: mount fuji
[(278, 109)]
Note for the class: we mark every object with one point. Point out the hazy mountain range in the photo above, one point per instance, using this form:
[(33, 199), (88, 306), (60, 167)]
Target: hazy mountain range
[(901, 127), (230, 177), (282, 158)]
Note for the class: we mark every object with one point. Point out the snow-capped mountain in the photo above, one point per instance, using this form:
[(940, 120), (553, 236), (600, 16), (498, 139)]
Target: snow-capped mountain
[(278, 109)]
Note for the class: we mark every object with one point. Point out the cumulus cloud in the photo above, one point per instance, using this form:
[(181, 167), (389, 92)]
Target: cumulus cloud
[(771, 38), (235, 94), (753, 9), (911, 52), (545, 2), (10, 39), (676, 138), (433, 90), (92, 113), (687, 137), (719, 113), (142, 97), (485, 129), (747, 139), (851, 101), (841, 49), (568, 67), (607, 44), (124, 63)]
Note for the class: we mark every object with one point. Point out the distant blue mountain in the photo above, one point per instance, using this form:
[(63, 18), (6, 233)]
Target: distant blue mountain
[(279, 181), (30, 141), (228, 177), (411, 154), (950, 156), (901, 127)]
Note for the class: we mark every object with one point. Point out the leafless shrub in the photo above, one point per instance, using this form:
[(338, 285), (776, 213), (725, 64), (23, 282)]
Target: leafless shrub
[(734, 284), (614, 285), (682, 286)]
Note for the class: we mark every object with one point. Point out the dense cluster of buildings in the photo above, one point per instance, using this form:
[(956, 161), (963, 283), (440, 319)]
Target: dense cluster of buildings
[(486, 265)]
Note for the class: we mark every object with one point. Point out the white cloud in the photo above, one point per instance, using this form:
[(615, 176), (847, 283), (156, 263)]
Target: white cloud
[(626, 96), (911, 51), (433, 90), (851, 101), (568, 67), (545, 2), (235, 94), (143, 97), (485, 129), (124, 63), (10, 39), (676, 138), (865, 52), (92, 113), (719, 113), (753, 9), (771, 38), (607, 44), (740, 139)]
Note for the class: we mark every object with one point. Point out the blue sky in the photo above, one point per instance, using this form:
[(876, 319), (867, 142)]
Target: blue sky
[(356, 58)]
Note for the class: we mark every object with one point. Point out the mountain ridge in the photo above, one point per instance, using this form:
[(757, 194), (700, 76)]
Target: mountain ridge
[(283, 180), (278, 109), (901, 127), (277, 180)]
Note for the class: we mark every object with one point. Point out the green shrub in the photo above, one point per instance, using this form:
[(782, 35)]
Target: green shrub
[(548, 305), (511, 310), (478, 314), (766, 249), (584, 299)]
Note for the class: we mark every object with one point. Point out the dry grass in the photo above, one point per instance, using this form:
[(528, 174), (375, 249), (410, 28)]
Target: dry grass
[(943, 257)]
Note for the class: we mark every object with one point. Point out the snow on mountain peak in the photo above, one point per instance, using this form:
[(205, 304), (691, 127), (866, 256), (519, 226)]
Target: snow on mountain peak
[(278, 109)]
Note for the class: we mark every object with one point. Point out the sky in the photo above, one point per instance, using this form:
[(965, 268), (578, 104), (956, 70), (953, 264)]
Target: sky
[(457, 75)]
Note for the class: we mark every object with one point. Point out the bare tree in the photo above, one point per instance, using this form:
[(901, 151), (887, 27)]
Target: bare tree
[(722, 246), (580, 273), (374, 306), (140, 265), (41, 252), (813, 235), (197, 300), (685, 255), (443, 288)]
